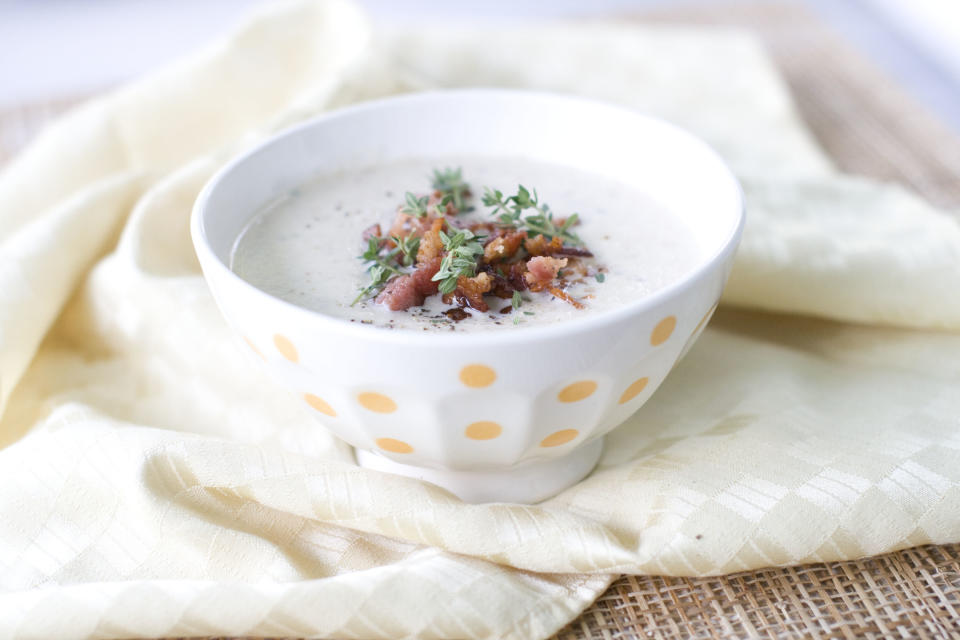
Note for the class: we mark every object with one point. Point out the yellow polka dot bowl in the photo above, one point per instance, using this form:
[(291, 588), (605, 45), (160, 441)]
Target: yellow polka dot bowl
[(490, 416)]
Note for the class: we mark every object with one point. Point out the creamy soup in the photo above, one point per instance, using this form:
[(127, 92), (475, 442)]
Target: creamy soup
[(305, 246)]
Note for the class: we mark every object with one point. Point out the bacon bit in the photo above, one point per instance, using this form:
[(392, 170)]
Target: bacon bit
[(517, 276), (411, 290), (405, 225), (563, 295), (470, 291), (536, 245), (503, 247), (373, 231), (502, 288), (573, 252), (457, 314), (540, 246), (541, 271), (431, 245)]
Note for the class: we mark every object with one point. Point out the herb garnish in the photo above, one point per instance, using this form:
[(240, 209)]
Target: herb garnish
[(463, 248), (414, 206), (515, 302), (380, 269), (510, 212), (449, 182), (462, 251), (408, 246)]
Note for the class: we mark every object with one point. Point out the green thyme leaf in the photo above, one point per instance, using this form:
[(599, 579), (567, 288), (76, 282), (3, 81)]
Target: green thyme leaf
[(516, 300), (510, 210), (463, 250), (600, 277), (373, 249), (449, 182), (408, 246), (414, 206), (380, 269)]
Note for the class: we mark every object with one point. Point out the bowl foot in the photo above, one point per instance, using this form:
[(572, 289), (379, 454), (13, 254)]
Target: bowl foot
[(527, 483)]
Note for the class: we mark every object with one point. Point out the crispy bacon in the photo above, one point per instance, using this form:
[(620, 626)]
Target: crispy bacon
[(573, 252), (470, 291), (503, 247), (516, 276), (405, 225), (542, 270), (563, 295), (502, 287), (540, 246), (411, 290), (431, 246)]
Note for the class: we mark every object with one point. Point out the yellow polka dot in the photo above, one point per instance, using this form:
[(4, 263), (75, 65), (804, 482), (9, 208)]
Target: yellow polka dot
[(376, 402), (253, 347), (477, 375), (285, 347), (634, 390), (484, 430), (577, 391), (559, 437), (319, 404), (663, 330), (394, 446)]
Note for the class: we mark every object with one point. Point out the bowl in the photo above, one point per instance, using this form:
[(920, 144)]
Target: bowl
[(490, 416)]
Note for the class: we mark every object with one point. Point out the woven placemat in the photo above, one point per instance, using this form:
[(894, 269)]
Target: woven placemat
[(869, 126), (907, 594)]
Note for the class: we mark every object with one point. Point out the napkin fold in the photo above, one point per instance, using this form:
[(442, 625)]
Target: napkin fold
[(155, 485)]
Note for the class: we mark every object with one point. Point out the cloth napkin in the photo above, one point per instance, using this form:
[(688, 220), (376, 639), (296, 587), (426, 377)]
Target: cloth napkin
[(153, 484)]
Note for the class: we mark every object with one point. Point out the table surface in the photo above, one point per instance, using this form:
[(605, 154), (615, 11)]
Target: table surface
[(870, 124)]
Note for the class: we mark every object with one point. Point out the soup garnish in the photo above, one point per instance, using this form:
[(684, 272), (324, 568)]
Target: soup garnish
[(429, 250)]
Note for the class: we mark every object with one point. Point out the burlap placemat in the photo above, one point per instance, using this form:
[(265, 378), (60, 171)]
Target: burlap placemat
[(869, 126)]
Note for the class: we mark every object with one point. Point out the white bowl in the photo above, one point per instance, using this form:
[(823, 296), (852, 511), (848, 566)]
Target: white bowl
[(491, 416)]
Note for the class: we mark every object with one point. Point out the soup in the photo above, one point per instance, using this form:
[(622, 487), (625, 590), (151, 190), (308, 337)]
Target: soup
[(349, 245)]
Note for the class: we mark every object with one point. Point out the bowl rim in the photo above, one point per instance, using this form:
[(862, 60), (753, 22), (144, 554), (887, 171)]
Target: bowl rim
[(566, 328)]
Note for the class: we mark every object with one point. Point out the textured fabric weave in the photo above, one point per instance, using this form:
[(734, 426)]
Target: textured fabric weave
[(155, 485)]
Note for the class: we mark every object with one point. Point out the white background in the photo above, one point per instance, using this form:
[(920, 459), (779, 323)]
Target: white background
[(66, 48)]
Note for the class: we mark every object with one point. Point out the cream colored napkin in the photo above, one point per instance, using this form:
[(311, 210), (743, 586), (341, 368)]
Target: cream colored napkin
[(155, 485)]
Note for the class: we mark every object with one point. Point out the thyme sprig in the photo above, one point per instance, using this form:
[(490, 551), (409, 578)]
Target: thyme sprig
[(381, 268), (450, 183), (414, 206), (510, 210), (463, 249), (418, 207), (408, 247)]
